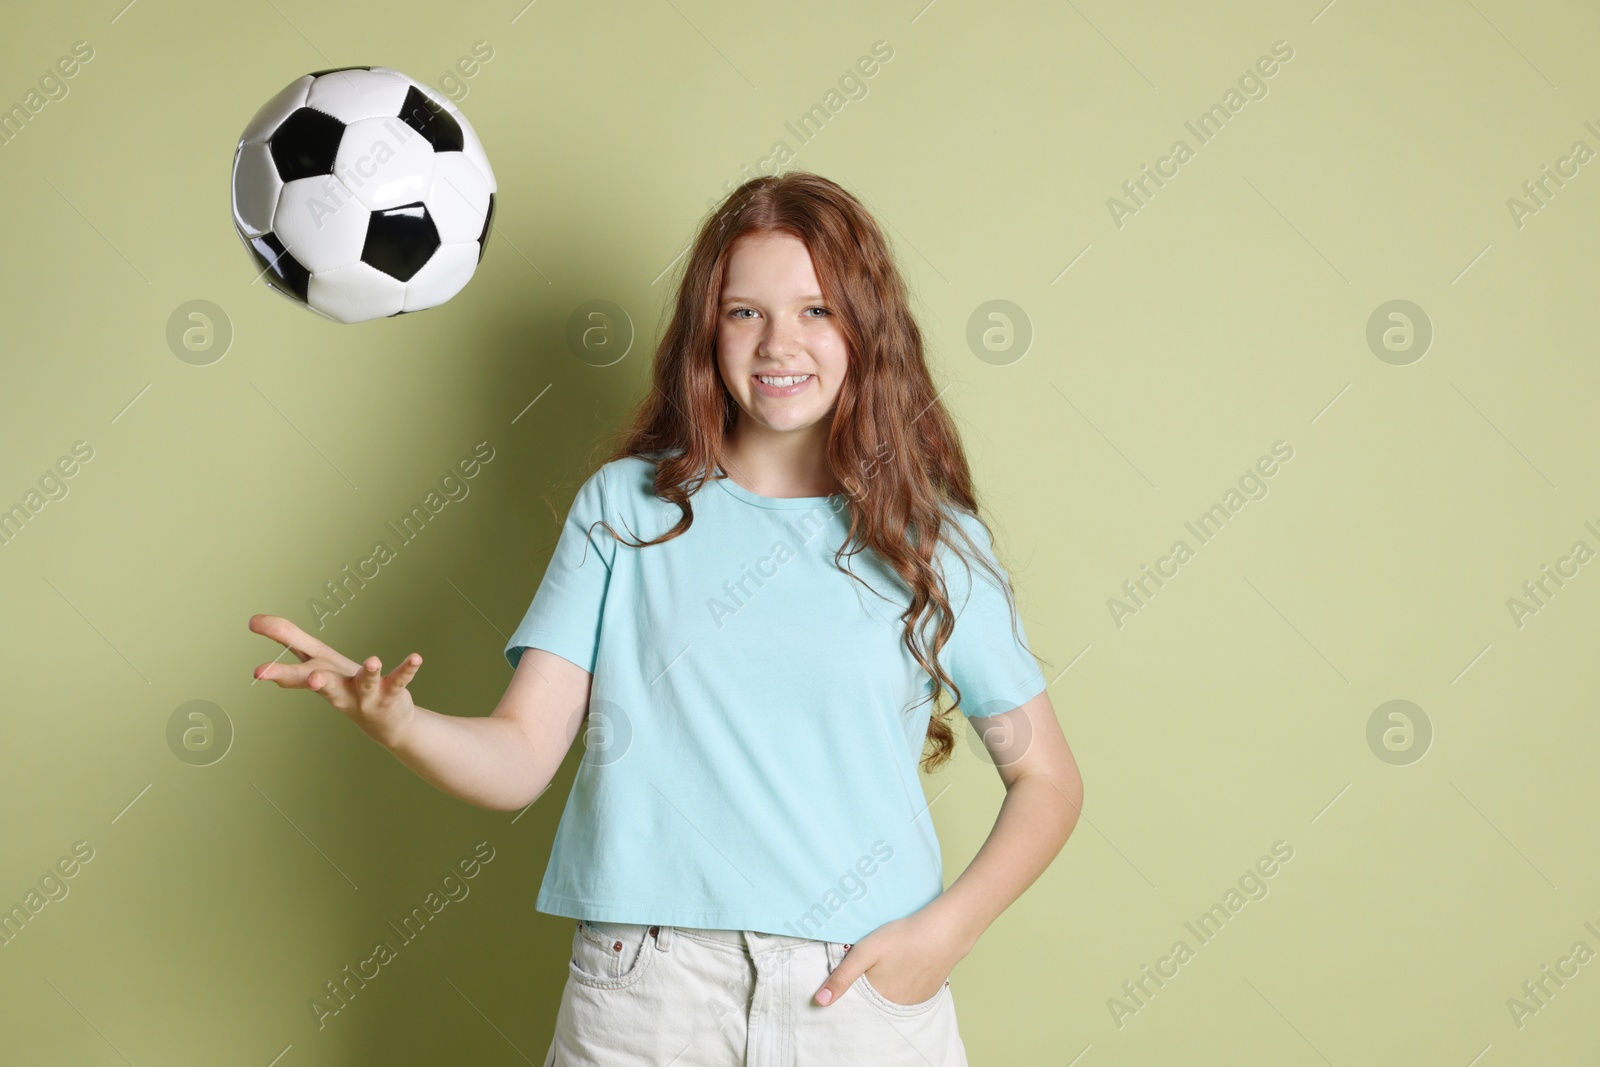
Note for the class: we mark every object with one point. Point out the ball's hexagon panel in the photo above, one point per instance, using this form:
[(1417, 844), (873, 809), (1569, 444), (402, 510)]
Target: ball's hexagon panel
[(288, 100), (385, 163), (306, 144), (353, 95), (355, 293), (459, 198), (321, 222), (256, 186), (400, 240), (445, 275)]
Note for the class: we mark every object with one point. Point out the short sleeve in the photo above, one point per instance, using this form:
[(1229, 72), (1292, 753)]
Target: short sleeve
[(565, 614), (983, 655)]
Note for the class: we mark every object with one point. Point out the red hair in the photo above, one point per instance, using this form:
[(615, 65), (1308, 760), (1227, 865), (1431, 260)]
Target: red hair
[(891, 444)]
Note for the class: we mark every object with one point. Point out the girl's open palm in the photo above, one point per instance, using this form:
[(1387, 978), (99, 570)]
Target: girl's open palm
[(380, 704)]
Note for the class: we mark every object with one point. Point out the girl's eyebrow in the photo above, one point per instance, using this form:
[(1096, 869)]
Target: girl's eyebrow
[(810, 298)]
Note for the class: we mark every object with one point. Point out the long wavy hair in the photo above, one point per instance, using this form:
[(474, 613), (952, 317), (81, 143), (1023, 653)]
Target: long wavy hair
[(891, 444)]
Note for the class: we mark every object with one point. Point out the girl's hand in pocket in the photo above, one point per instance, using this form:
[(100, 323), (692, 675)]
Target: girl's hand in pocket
[(909, 958)]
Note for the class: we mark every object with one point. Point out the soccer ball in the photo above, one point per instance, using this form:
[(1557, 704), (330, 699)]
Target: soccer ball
[(362, 193)]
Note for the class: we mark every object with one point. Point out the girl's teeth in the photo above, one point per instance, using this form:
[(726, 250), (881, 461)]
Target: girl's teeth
[(788, 380)]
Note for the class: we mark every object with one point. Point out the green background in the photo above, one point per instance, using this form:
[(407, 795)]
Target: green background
[(1168, 354)]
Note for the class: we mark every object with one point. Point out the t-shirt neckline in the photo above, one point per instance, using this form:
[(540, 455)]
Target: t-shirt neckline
[(757, 499)]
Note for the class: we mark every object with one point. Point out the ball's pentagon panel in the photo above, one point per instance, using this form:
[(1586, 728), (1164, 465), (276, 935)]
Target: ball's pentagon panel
[(483, 236), (306, 144), (281, 270), (472, 148), (361, 193), (400, 240), (274, 111), (433, 122)]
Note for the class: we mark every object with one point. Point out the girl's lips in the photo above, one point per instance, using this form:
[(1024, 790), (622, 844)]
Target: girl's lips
[(764, 389)]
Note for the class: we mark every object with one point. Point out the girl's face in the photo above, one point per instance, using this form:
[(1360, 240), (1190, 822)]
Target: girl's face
[(773, 322)]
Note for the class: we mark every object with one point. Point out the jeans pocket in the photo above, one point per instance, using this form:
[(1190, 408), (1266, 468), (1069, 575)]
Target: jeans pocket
[(869, 993), (607, 955), (895, 1007)]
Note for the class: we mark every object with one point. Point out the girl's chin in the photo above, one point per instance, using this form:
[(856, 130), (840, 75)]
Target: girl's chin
[(787, 421)]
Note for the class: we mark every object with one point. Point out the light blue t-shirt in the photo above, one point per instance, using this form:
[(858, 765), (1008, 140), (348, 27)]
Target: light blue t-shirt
[(751, 759)]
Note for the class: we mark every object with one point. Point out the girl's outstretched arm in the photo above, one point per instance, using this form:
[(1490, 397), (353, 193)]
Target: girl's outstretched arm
[(502, 761), (1044, 794)]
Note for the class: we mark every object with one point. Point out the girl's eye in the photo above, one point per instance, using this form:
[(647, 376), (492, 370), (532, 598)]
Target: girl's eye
[(816, 307)]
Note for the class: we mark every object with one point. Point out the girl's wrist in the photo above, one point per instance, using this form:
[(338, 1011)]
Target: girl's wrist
[(948, 919)]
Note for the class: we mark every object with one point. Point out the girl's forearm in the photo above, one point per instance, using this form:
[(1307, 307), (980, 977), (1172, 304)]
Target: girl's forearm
[(1035, 820), (484, 760)]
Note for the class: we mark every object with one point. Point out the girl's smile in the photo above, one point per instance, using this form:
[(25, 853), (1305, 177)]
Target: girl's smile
[(781, 385)]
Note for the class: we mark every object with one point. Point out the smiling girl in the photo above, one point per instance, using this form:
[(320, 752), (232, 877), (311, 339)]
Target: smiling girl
[(755, 606)]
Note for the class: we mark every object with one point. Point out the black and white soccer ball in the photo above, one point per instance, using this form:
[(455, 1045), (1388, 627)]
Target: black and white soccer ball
[(362, 193)]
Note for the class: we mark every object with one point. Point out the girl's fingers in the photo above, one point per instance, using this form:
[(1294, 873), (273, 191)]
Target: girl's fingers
[(296, 640), (368, 678), (406, 671), (360, 682), (288, 675)]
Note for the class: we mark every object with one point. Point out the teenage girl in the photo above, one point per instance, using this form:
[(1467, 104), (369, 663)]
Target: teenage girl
[(755, 605)]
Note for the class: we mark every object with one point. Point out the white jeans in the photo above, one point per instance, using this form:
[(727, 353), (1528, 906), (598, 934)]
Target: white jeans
[(641, 995)]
